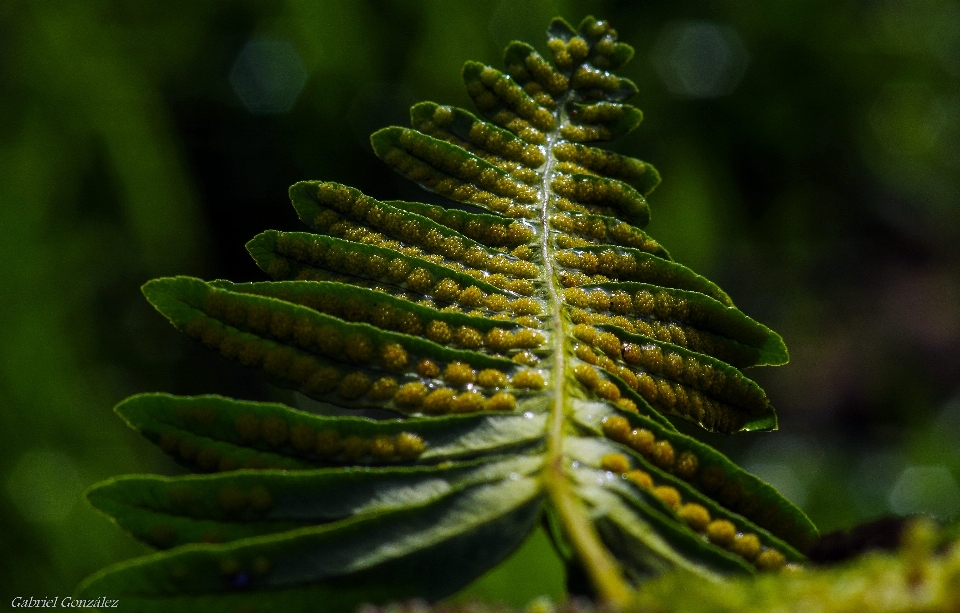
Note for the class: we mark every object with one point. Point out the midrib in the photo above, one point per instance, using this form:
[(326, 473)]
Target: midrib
[(599, 564)]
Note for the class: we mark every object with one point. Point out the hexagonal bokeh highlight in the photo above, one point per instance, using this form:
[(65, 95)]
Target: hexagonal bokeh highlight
[(926, 489), (699, 59), (268, 76)]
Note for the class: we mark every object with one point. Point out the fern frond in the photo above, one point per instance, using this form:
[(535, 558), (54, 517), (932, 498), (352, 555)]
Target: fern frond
[(532, 339)]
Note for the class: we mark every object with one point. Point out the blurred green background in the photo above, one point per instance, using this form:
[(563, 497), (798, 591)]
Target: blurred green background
[(811, 160)]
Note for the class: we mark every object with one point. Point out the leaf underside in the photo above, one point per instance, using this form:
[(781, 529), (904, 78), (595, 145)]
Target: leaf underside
[(531, 339)]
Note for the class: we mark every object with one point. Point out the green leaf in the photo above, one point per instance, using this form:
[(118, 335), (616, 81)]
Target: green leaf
[(238, 504), (685, 318), (212, 433), (712, 479), (428, 549), (533, 342)]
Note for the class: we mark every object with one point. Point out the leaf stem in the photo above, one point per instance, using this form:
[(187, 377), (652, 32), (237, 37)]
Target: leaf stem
[(602, 569), (600, 566)]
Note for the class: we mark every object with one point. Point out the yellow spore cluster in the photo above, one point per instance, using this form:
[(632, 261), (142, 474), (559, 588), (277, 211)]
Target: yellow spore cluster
[(510, 95), (663, 315), (720, 532), (634, 265), (585, 134), (686, 465), (460, 374), (438, 399), (501, 145), (604, 50), (359, 308), (493, 145), (498, 340), (624, 234), (486, 231), (701, 341), (317, 378), (526, 358), (207, 456), (574, 230), (595, 194), (419, 171), (538, 78), (603, 388), (464, 168), (417, 396), (582, 159), (686, 385), (502, 271), (568, 53), (591, 229), (514, 234), (602, 112), (490, 102), (283, 361), (589, 77), (661, 452), (327, 444), (399, 271), (611, 265), (234, 500), (385, 225)]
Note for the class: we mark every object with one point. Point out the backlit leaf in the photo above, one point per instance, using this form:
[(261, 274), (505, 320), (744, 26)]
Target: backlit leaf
[(532, 341)]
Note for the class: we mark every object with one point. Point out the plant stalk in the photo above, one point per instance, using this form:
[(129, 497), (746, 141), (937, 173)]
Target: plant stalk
[(601, 568)]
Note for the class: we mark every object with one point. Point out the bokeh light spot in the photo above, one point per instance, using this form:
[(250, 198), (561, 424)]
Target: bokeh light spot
[(785, 478), (788, 463), (868, 485), (908, 118), (926, 489), (948, 422), (268, 76), (44, 485), (700, 59)]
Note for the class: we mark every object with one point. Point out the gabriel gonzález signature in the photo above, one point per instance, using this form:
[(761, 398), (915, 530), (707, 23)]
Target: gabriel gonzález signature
[(66, 601)]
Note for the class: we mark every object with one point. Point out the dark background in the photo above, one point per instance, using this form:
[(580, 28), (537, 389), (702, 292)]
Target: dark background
[(811, 160)]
